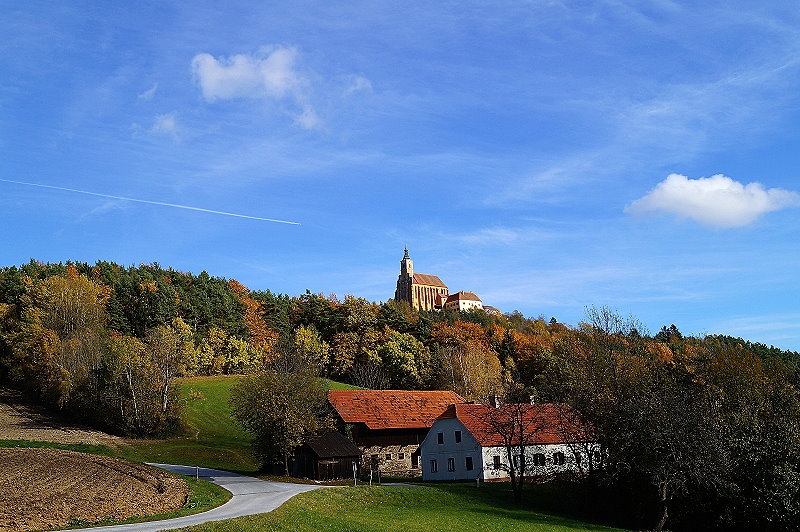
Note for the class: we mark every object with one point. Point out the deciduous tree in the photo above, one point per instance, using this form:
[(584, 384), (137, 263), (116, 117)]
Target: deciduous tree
[(280, 410)]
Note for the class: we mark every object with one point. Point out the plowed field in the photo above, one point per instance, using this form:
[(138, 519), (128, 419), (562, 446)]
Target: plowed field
[(49, 488), (21, 420)]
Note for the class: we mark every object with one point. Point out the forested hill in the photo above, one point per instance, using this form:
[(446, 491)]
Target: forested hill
[(707, 428)]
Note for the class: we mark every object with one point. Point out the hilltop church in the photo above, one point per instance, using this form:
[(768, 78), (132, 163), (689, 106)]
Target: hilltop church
[(427, 292)]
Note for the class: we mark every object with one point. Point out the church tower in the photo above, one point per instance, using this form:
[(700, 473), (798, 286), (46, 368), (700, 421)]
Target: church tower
[(406, 265), (404, 280), (422, 291)]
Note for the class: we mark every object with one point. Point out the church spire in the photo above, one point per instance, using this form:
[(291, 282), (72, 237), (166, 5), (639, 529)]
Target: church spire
[(406, 265)]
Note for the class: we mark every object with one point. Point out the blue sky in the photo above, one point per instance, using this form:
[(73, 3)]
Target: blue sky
[(547, 155)]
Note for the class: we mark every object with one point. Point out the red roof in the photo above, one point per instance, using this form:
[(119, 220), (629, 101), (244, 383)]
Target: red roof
[(544, 423), (427, 280), (463, 296), (391, 409)]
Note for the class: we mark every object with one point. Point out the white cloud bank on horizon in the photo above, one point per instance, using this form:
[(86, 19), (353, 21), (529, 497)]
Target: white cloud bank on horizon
[(717, 201)]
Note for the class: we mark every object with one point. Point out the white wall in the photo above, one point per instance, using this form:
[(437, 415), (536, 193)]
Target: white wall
[(483, 458), (571, 463), (430, 449)]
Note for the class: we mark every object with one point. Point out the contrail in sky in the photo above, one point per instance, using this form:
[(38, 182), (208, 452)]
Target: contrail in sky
[(163, 204)]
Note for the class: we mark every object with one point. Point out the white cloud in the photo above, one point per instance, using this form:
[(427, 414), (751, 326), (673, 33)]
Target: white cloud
[(166, 124), (149, 93), (308, 119), (497, 235), (269, 74), (717, 201), (359, 84)]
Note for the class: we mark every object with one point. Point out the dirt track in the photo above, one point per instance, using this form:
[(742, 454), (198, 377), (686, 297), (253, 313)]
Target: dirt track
[(49, 488)]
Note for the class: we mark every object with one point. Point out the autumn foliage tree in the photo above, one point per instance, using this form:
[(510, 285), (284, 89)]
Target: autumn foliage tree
[(280, 409)]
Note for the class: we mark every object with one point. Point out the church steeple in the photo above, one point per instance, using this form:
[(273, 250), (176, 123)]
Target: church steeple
[(406, 265)]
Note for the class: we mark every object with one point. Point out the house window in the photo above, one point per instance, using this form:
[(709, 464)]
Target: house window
[(434, 467), (401, 456), (451, 464), (497, 462), (597, 457), (578, 458), (458, 436), (414, 460), (538, 459), (519, 461), (558, 458), (469, 463), (440, 438), (388, 456)]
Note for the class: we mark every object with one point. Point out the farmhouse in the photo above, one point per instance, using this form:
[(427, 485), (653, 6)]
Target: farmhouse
[(469, 441), (389, 425)]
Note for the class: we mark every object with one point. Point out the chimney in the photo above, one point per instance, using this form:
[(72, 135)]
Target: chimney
[(495, 401)]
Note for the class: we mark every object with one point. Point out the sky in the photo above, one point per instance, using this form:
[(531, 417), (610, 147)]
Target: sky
[(547, 155)]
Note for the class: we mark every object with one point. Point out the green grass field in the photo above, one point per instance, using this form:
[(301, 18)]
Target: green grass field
[(402, 509), (212, 437)]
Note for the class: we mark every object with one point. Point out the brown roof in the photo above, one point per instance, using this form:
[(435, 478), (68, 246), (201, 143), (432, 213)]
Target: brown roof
[(333, 445), (544, 423), (427, 280), (465, 296), (391, 409)]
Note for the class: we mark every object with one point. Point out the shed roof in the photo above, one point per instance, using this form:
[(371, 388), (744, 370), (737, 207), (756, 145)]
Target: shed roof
[(333, 445), (391, 409)]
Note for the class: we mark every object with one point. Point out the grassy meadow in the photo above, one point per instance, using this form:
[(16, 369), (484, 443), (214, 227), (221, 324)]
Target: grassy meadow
[(444, 507), (212, 438)]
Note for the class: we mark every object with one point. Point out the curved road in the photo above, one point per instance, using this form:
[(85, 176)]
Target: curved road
[(250, 496)]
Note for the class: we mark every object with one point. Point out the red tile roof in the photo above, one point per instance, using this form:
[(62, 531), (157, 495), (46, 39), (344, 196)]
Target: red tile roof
[(544, 423), (427, 280), (391, 409), (464, 296)]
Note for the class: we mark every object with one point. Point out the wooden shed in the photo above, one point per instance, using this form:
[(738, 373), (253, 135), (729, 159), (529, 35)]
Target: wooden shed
[(327, 457)]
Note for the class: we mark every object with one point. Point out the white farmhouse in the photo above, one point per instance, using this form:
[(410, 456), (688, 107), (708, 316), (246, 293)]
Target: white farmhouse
[(469, 441)]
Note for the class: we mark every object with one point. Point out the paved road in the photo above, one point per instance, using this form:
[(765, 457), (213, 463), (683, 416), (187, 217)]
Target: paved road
[(250, 496)]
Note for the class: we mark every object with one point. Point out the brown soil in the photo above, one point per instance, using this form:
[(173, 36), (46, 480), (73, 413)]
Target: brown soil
[(50, 488), (44, 489), (22, 420)]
